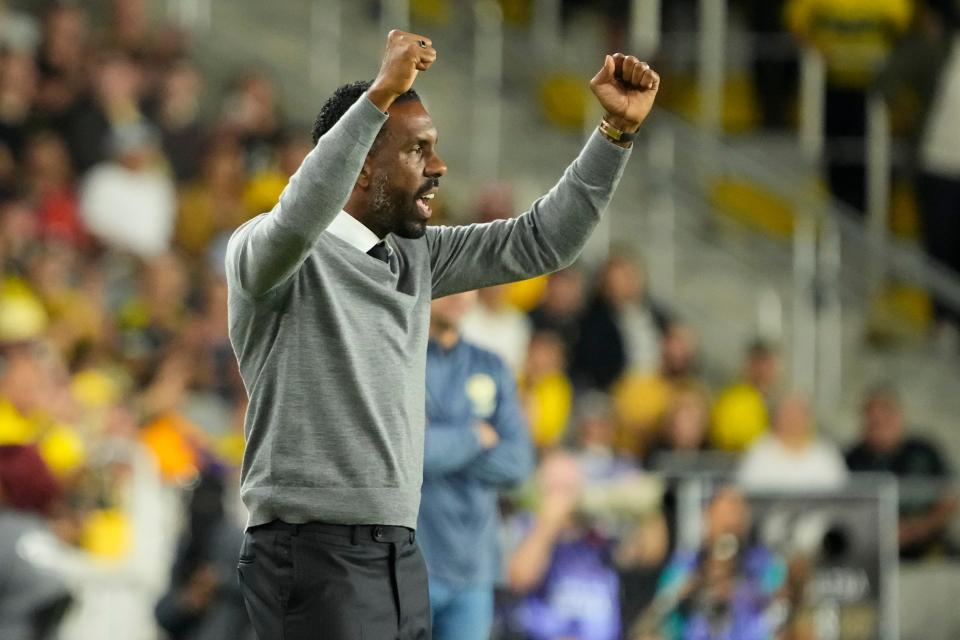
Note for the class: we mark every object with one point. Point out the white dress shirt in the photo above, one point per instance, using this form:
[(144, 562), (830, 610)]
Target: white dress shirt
[(351, 230)]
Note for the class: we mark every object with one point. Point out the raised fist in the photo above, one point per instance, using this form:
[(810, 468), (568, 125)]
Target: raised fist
[(406, 55), (626, 89)]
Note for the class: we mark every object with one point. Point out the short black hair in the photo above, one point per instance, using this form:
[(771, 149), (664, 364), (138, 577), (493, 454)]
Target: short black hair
[(884, 390), (759, 347), (341, 100)]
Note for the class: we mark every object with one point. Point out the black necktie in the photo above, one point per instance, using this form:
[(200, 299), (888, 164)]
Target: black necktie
[(379, 251)]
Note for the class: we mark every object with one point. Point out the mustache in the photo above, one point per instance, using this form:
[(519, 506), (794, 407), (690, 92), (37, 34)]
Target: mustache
[(429, 184)]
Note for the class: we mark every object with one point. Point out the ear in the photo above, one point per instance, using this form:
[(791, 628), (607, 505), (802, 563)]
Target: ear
[(366, 171)]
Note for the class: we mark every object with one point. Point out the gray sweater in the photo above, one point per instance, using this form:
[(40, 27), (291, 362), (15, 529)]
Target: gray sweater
[(332, 342)]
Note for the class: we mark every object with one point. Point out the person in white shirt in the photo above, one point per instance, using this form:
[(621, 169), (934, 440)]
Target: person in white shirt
[(792, 457), (129, 202), (497, 325)]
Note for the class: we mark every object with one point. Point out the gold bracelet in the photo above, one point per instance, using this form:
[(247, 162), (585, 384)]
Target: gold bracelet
[(616, 135)]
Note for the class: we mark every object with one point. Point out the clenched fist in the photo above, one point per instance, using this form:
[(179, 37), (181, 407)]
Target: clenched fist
[(626, 89), (406, 55)]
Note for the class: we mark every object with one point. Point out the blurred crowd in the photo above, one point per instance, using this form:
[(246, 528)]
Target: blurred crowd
[(622, 413), (119, 392), (118, 188)]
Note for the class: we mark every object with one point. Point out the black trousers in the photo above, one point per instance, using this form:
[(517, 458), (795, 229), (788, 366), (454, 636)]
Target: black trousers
[(334, 582)]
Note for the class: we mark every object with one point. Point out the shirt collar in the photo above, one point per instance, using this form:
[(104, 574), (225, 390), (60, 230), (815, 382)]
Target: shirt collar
[(352, 231)]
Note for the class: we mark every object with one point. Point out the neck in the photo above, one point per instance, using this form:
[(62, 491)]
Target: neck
[(796, 441), (358, 208), (446, 336)]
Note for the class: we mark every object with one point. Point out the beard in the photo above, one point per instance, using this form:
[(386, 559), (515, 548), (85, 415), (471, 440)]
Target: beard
[(396, 210)]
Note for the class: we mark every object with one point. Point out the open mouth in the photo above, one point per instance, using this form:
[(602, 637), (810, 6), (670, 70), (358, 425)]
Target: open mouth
[(423, 203)]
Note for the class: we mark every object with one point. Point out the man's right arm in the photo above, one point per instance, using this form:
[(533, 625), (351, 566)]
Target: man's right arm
[(266, 251)]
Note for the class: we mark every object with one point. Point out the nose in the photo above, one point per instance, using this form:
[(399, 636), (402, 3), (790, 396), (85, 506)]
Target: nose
[(436, 167)]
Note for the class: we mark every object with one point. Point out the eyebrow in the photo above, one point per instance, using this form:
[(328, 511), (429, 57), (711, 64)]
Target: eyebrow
[(422, 142)]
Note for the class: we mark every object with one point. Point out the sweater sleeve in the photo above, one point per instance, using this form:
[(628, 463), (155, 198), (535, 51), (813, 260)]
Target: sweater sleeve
[(546, 238), (265, 252)]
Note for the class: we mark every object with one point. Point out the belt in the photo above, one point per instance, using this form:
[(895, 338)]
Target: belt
[(352, 532)]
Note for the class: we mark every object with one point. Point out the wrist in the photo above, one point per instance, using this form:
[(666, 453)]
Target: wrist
[(627, 126), (381, 97), (616, 135)]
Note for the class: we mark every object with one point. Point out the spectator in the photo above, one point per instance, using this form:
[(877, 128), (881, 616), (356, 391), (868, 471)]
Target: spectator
[(596, 431), (62, 62), (742, 410), (128, 29), (212, 205), (178, 118), (622, 502), (18, 88), (496, 325), (683, 435), (621, 328), (927, 503), (251, 113), (476, 444), (152, 320), (48, 178), (113, 102), (76, 320), (545, 390), (495, 201), (792, 457), (36, 403), (206, 337), (19, 233), (204, 600), (8, 174), (264, 187), (562, 569), (562, 304), (855, 38), (774, 74), (642, 399), (33, 595), (128, 203), (722, 591)]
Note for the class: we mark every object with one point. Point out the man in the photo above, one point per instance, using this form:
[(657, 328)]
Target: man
[(927, 505), (329, 308), (476, 443), (792, 456), (560, 568), (742, 412), (33, 595), (855, 38), (132, 181), (723, 590)]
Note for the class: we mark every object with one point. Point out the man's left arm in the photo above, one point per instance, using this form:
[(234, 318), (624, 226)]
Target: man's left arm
[(552, 233), (936, 519), (511, 460)]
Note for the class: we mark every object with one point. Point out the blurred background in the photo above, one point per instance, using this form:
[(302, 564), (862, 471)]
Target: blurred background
[(772, 300)]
